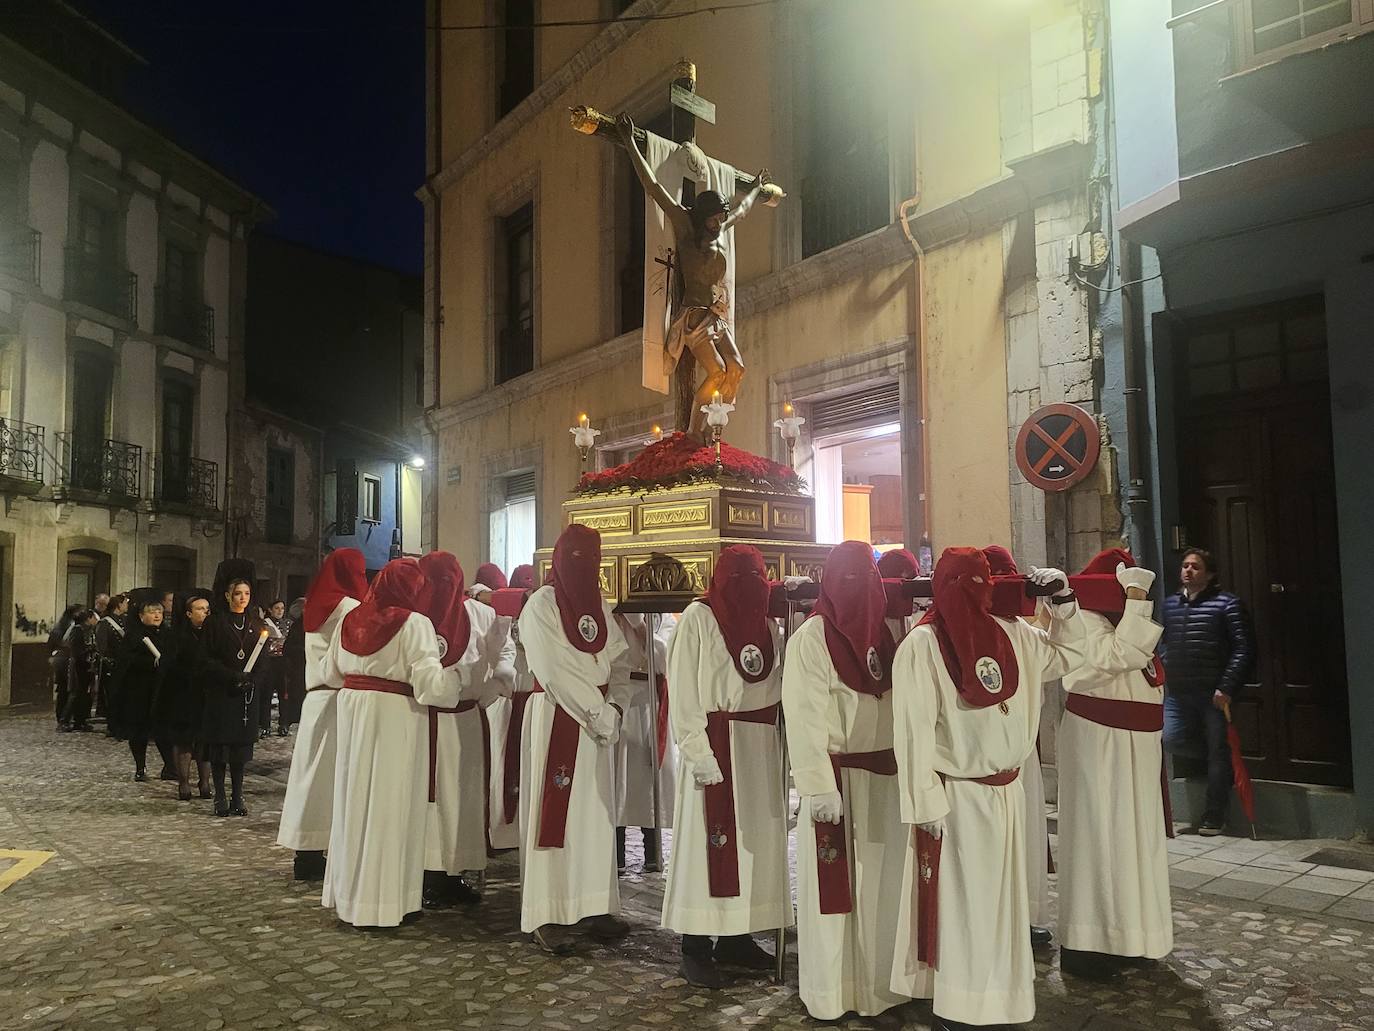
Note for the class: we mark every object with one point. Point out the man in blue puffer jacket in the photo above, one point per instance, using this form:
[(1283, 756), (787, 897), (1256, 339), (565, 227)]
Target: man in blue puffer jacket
[(1208, 650)]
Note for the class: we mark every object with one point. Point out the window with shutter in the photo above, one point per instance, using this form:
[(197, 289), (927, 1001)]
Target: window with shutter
[(871, 406)]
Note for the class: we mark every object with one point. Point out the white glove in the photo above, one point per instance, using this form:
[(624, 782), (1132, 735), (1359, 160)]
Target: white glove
[(793, 582), (935, 828), (1134, 577), (606, 727), (827, 808), (707, 772), (1045, 577)]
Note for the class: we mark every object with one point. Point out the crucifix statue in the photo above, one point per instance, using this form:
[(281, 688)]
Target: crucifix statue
[(697, 270)]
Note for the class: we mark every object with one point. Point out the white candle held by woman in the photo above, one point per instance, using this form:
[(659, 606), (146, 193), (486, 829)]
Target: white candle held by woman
[(257, 650)]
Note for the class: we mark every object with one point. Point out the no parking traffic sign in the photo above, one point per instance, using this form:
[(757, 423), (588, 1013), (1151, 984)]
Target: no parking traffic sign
[(1058, 446)]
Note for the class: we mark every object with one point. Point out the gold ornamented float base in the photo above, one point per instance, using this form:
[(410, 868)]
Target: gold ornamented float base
[(659, 548)]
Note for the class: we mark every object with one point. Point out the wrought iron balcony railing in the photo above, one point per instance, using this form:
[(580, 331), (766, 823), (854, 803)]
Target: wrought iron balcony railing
[(21, 451), (185, 318), (21, 249), (97, 282), (182, 480), (110, 467)]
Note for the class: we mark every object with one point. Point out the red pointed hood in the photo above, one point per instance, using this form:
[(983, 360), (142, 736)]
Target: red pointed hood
[(576, 579), (489, 575), (977, 651), (523, 577), (398, 590), (853, 606), (738, 598), (898, 564), (1105, 563), (445, 604), (1000, 562), (343, 575)]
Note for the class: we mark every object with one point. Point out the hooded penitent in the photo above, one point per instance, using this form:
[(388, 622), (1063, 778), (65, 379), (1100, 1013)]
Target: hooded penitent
[(398, 590), (898, 564), (446, 604), (576, 579), (977, 651), (489, 575), (854, 606), (1105, 563), (343, 575), (522, 577), (738, 598), (1000, 562)]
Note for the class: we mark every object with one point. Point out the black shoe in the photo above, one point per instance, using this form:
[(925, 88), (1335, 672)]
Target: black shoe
[(434, 898), (167, 774), (701, 972), (1040, 937), (283, 732), (64, 728), (140, 775), (553, 939), (620, 851), (308, 866), (742, 950), (237, 807), (652, 863), (221, 806), (83, 728), (183, 794), (203, 791), (606, 927), (1209, 828), (463, 893), (939, 1023), (1091, 966), (263, 735)]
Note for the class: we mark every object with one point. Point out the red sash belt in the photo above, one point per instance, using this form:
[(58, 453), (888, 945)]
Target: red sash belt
[(832, 850), (362, 682), (1137, 717), (661, 683), (321, 687), (928, 874), (722, 851), (434, 711), (560, 765), (510, 790)]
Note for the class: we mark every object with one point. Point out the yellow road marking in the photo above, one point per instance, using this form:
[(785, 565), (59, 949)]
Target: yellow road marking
[(25, 864)]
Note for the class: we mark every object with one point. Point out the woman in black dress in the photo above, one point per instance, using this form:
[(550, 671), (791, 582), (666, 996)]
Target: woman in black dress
[(138, 671), (180, 698), (229, 719)]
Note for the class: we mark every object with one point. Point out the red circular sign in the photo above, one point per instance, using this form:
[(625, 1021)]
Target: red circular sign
[(1058, 446)]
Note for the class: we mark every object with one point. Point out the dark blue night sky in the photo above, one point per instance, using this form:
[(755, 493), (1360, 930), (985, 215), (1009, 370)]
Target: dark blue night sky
[(318, 108)]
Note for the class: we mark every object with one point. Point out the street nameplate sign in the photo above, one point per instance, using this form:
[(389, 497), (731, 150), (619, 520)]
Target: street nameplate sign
[(1058, 446), (693, 104)]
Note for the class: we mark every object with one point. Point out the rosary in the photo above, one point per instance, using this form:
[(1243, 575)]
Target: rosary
[(241, 627)]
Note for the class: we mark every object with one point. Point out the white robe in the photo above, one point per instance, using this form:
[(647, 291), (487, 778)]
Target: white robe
[(376, 863), (701, 679), (1037, 839), (1113, 862), (632, 756), (844, 959), (564, 885), (505, 835), (308, 808), (986, 974), (456, 821)]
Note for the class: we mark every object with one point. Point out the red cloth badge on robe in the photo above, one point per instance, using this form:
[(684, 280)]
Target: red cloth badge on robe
[(398, 590), (977, 651), (343, 575), (576, 579), (853, 606)]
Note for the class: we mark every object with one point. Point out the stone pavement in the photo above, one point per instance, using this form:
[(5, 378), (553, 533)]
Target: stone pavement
[(153, 914)]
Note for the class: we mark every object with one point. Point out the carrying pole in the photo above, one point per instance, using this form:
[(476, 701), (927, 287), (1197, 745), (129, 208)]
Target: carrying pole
[(780, 934), (651, 639)]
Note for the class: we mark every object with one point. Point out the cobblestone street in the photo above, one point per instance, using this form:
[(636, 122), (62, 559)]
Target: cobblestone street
[(152, 914)]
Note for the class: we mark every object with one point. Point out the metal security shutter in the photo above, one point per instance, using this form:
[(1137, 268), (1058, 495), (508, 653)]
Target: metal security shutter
[(520, 486), (869, 406)]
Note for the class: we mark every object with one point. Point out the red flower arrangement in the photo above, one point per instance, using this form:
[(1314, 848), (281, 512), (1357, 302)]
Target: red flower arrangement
[(679, 459)]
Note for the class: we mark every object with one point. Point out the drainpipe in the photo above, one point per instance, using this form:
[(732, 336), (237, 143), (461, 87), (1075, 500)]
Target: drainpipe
[(916, 330)]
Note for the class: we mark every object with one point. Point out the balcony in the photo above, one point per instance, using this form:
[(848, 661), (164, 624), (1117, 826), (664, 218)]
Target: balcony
[(97, 282), (182, 482), (106, 471), (21, 248), (185, 318), (21, 456)]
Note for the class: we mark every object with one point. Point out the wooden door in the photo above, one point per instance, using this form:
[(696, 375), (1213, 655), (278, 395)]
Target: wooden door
[(1258, 489)]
